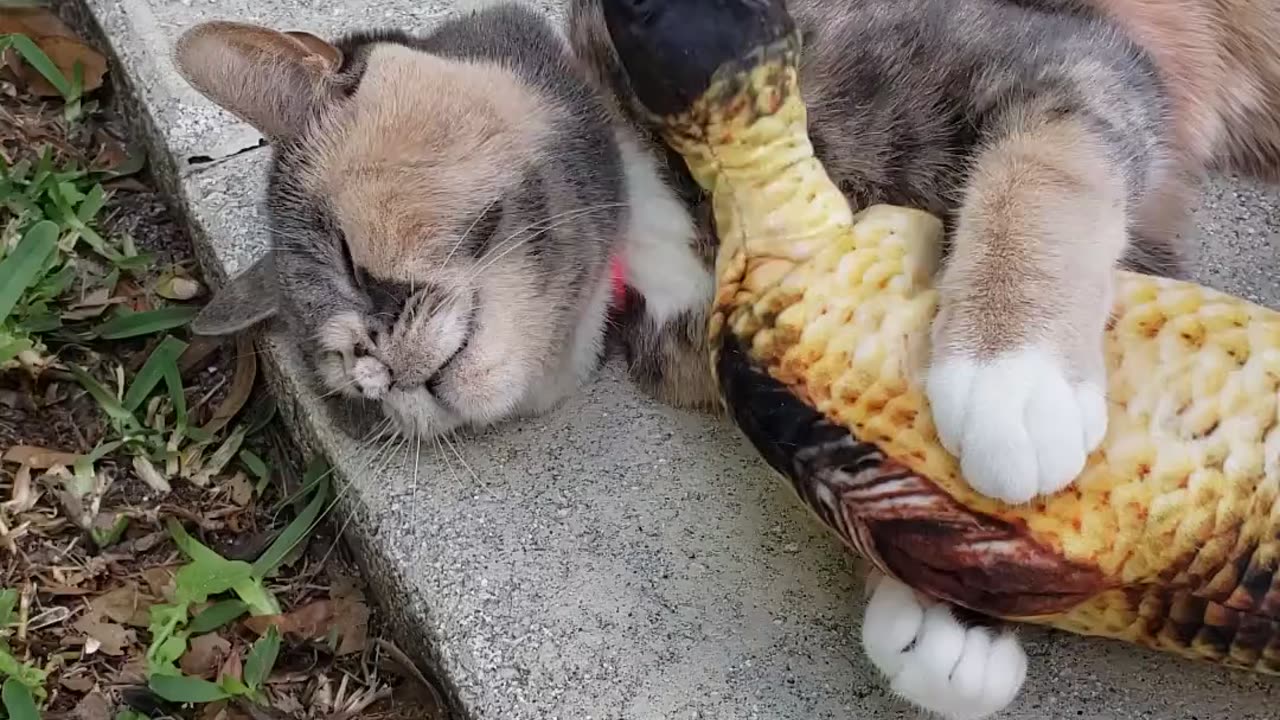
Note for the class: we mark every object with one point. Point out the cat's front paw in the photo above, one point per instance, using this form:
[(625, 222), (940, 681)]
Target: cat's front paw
[(1018, 422), (934, 661)]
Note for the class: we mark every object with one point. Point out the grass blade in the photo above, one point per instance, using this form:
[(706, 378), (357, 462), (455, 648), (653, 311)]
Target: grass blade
[(216, 615), (153, 371), (112, 406), (21, 269), (293, 534), (37, 59), (18, 702), (8, 599), (92, 204), (127, 325), (184, 689), (262, 658)]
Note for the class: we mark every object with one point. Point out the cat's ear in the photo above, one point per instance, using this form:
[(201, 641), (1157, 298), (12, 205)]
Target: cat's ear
[(270, 79), (246, 300)]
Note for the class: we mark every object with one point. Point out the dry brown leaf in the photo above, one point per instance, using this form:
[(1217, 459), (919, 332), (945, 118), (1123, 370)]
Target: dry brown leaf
[(66, 52), (204, 655), (240, 488), (135, 669), (176, 287), (111, 154), (348, 618), (149, 474), (126, 605), (33, 22), (201, 347), (78, 680), (241, 385), (214, 711), (109, 637), (39, 458), (351, 613), (23, 497), (160, 581), (310, 621), (233, 666), (92, 707)]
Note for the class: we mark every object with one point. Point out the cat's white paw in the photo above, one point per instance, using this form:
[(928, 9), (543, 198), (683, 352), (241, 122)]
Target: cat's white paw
[(371, 377), (1018, 424), (935, 662)]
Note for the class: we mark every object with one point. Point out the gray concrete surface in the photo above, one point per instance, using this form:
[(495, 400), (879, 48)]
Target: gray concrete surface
[(619, 559)]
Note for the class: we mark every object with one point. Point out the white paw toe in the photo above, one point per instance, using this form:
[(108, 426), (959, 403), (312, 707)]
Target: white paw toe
[(1018, 425), (935, 662), (371, 377)]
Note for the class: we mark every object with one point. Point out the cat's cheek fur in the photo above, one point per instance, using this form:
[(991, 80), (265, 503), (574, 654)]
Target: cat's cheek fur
[(934, 660)]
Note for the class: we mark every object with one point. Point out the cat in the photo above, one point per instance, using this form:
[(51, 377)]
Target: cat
[(447, 209)]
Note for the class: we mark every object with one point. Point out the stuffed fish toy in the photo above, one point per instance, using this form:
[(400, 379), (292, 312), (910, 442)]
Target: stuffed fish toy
[(1169, 538)]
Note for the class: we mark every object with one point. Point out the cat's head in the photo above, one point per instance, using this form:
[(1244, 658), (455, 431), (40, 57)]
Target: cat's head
[(442, 211)]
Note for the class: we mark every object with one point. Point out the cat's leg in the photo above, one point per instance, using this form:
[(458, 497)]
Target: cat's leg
[(934, 660), (1017, 377), (668, 361)]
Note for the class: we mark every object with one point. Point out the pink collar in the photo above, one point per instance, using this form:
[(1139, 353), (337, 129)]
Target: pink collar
[(618, 269)]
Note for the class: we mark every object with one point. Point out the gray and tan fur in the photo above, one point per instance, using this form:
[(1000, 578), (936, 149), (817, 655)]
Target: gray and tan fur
[(444, 209)]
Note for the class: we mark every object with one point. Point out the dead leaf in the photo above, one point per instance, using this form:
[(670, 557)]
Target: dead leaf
[(351, 614), (110, 638), (23, 498), (233, 666), (214, 711), (80, 681), (66, 53), (115, 158), (92, 707), (126, 184), (201, 347), (318, 621), (148, 473), (241, 385), (126, 605), (204, 655), (33, 22), (135, 669), (241, 489), (176, 287), (160, 581), (39, 458), (93, 304)]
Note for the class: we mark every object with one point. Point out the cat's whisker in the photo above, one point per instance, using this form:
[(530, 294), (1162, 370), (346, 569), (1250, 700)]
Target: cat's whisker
[(476, 478), (507, 246), (340, 388), (417, 466), (444, 457), (463, 238), (555, 221)]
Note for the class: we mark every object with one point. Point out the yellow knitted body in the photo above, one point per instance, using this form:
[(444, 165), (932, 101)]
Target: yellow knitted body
[(1176, 518)]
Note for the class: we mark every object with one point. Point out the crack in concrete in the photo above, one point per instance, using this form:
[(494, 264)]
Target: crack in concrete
[(197, 164)]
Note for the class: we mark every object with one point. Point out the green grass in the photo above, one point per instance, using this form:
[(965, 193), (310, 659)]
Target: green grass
[(61, 309)]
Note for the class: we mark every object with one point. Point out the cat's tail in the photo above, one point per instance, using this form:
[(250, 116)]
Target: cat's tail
[(1221, 61)]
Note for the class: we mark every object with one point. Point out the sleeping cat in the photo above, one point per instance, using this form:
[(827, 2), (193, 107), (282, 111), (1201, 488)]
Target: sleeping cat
[(446, 210)]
